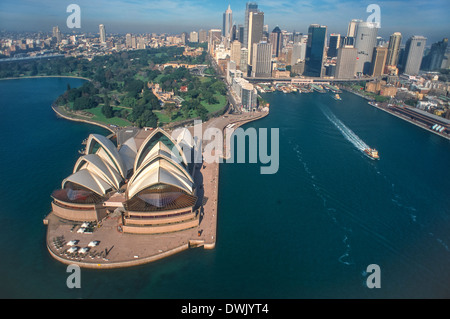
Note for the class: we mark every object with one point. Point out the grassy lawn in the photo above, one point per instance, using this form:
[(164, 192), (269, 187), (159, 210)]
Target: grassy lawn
[(99, 117), (215, 107)]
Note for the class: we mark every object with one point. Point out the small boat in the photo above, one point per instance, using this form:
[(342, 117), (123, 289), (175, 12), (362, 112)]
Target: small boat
[(337, 97), (372, 153)]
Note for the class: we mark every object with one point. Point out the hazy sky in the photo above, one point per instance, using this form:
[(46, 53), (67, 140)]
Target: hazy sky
[(419, 17)]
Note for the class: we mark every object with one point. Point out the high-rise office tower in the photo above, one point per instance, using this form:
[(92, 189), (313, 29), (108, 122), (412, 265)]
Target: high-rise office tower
[(102, 31), (128, 40), (202, 36), (234, 35), (193, 36), (276, 40), (227, 23), (394, 49), (333, 45), (413, 54), (379, 60), (235, 54), (214, 37), (365, 41), (57, 34), (298, 52), (433, 60), (243, 65), (255, 28), (250, 7), (351, 31), (346, 62), (315, 50), (240, 32), (262, 59)]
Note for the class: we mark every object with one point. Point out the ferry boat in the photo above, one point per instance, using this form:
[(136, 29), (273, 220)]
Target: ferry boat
[(372, 153), (337, 97), (318, 88)]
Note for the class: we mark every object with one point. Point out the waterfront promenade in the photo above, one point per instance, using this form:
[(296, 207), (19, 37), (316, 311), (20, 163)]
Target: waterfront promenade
[(116, 249)]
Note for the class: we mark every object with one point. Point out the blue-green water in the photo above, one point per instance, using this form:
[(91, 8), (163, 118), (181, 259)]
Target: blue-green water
[(308, 231)]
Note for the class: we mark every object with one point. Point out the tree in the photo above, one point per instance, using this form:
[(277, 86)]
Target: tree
[(107, 109)]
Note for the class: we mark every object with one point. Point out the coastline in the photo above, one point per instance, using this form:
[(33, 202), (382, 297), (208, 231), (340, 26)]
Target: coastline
[(412, 122), (399, 115), (59, 114), (157, 246), (46, 76)]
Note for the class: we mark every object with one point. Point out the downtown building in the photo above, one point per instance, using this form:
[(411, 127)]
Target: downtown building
[(102, 33), (315, 50), (277, 41), (413, 55), (346, 62), (247, 95), (394, 49), (262, 59), (255, 31), (433, 60), (365, 41), (378, 61)]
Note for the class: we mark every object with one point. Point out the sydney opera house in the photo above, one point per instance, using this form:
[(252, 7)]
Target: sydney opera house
[(147, 180)]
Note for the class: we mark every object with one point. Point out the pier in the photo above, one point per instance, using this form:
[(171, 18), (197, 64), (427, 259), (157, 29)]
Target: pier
[(117, 249)]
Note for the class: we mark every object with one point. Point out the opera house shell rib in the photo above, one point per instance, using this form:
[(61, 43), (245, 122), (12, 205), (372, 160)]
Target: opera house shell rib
[(159, 195)]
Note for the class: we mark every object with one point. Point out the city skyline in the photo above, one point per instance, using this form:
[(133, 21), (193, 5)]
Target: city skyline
[(123, 16)]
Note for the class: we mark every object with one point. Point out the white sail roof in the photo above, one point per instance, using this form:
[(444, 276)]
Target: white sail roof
[(96, 165), (108, 152), (158, 135), (88, 180)]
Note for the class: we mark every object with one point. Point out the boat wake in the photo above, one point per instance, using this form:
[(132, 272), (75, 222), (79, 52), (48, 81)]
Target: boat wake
[(328, 202), (346, 132)]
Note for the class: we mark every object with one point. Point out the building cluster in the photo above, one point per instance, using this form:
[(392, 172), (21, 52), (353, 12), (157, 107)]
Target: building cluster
[(90, 45), (249, 51)]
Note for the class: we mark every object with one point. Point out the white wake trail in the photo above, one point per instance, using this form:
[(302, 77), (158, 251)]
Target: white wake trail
[(346, 132)]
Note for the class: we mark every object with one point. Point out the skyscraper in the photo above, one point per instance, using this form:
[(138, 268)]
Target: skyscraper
[(128, 40), (351, 31), (57, 34), (346, 62), (214, 38), (240, 32), (365, 41), (298, 52), (333, 45), (315, 50), (250, 7), (379, 60), (243, 65), (413, 54), (193, 36), (102, 33), (235, 54), (276, 40), (433, 60), (202, 36), (227, 23), (262, 59), (255, 30), (394, 49)]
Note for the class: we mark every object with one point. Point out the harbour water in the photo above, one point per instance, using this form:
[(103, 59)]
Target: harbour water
[(308, 231)]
